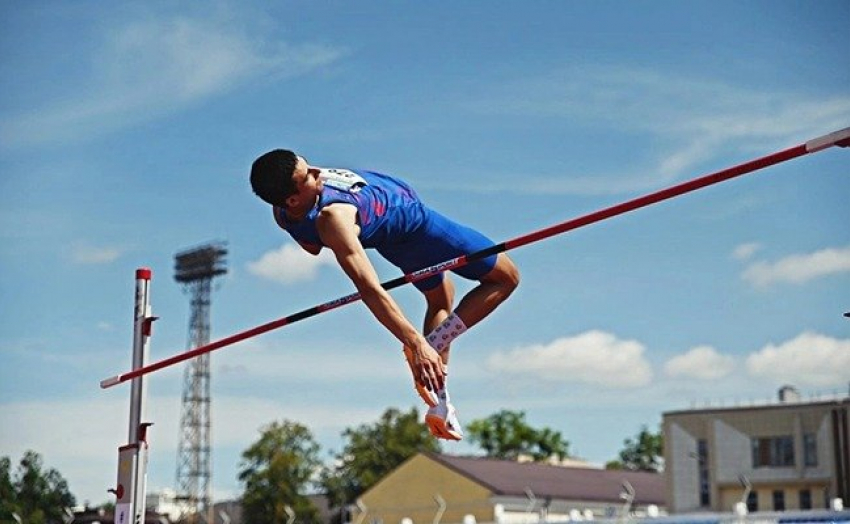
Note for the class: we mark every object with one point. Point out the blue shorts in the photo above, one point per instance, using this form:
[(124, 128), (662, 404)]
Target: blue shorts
[(437, 240)]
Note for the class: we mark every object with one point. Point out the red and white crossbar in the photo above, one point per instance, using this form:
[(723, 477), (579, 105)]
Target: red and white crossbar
[(839, 138)]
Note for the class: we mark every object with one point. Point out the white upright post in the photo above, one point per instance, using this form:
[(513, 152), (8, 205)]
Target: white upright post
[(133, 457), (142, 321)]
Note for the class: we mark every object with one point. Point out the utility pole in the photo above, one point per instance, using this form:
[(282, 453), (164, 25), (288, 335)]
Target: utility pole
[(195, 269)]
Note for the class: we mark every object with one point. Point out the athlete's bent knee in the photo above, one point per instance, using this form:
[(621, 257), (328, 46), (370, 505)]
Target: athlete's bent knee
[(505, 275), (510, 277)]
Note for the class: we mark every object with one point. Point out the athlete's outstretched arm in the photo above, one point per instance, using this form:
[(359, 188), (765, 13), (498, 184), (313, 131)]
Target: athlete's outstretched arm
[(338, 230)]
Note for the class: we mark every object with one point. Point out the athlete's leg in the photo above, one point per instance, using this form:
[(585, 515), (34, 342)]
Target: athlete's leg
[(441, 416), (439, 302), (493, 288)]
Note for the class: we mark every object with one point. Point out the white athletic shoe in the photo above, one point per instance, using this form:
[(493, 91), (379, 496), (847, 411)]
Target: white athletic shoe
[(443, 423)]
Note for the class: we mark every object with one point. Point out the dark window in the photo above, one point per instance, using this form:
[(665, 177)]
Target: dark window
[(810, 449), (778, 500), (704, 486), (805, 499), (753, 502), (773, 451)]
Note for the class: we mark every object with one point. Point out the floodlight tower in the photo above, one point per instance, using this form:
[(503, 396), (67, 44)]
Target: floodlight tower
[(196, 268)]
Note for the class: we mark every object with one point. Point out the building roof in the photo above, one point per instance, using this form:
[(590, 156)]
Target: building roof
[(795, 404), (513, 479)]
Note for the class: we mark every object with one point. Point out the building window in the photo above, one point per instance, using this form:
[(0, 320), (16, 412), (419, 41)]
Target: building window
[(778, 500), (805, 499), (773, 451), (753, 502), (702, 461), (810, 449)]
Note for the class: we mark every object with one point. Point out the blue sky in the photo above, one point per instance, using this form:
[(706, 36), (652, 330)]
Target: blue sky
[(127, 132)]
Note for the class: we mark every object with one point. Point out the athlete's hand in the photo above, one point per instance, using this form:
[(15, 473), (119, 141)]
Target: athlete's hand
[(427, 367)]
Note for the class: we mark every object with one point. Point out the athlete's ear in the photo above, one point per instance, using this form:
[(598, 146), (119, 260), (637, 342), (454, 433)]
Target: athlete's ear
[(292, 201)]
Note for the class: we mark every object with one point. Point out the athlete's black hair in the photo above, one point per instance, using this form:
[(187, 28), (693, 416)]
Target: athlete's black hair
[(271, 176)]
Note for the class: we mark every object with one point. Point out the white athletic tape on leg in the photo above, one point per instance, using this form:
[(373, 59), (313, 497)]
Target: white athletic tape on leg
[(448, 330)]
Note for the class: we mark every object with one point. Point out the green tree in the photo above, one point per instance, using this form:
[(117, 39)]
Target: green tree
[(506, 435), (36, 495), (372, 451), (7, 489), (643, 453), (276, 471), (8, 497)]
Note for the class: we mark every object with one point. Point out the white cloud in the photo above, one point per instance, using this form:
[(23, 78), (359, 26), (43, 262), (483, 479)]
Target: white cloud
[(90, 255), (149, 66), (46, 424), (702, 363), (239, 419), (594, 357), (80, 437), (798, 269), (359, 363), (745, 251), (688, 120), (290, 264), (810, 359)]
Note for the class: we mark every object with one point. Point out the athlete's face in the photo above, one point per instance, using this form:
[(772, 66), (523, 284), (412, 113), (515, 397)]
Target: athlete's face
[(308, 185)]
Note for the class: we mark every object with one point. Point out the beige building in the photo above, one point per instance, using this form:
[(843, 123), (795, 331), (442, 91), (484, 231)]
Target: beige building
[(430, 487), (787, 455)]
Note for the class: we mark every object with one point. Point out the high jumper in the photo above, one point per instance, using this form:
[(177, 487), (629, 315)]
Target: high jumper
[(496, 274)]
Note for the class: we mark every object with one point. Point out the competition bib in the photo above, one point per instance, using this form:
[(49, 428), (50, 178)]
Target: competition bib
[(342, 179)]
